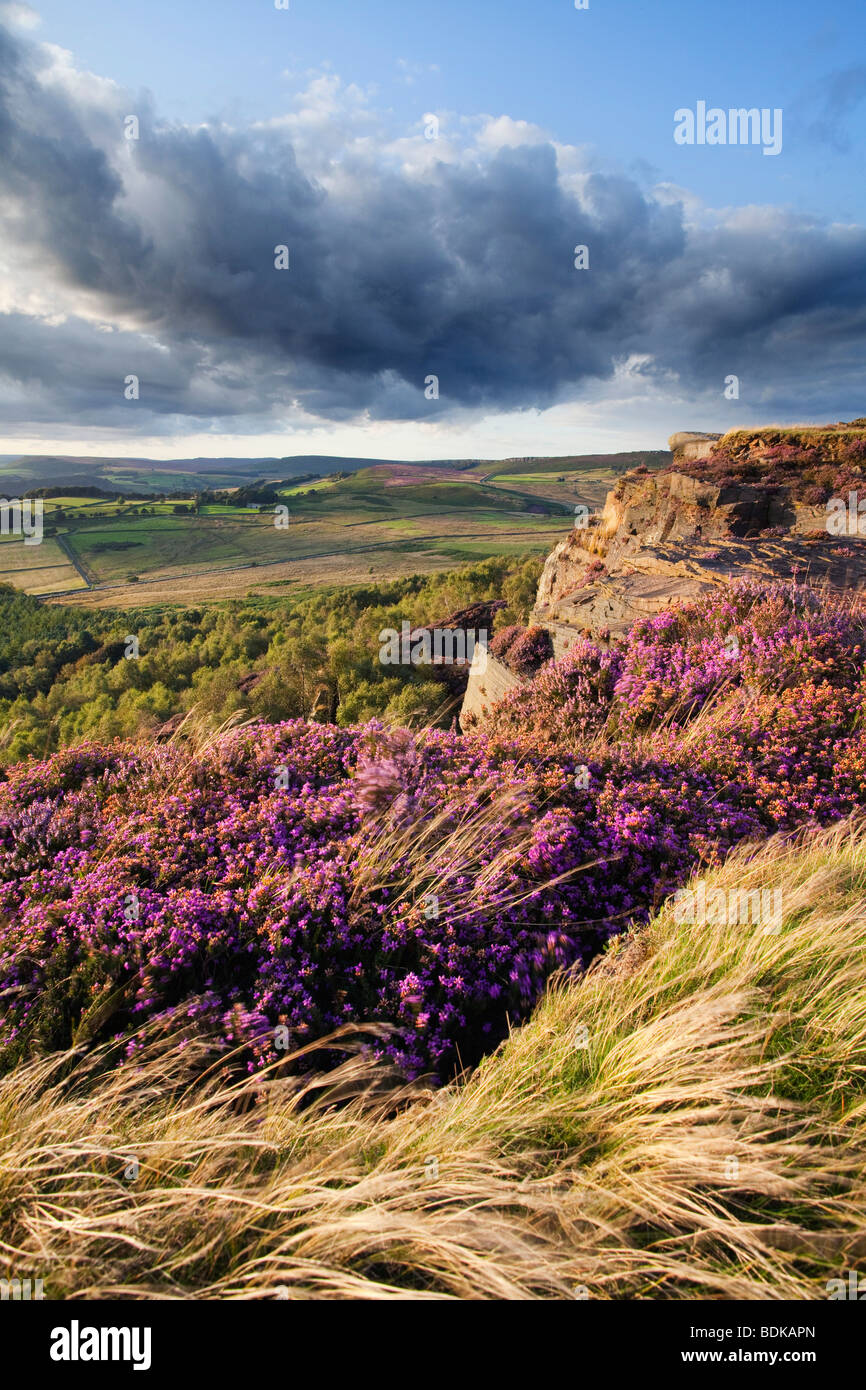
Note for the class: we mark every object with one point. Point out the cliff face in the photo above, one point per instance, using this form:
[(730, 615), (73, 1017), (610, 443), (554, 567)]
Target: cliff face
[(651, 577), (645, 512), (489, 680), (673, 536)]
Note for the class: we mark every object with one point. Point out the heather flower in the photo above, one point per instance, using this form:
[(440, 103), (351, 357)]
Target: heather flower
[(389, 773), (502, 641), (432, 882), (531, 650)]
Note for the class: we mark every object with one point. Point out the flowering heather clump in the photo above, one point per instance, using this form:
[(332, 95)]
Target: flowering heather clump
[(299, 877), (571, 697), (779, 671), (388, 775), (502, 641), (791, 455), (593, 571), (416, 887), (795, 755), (811, 470), (531, 650), (523, 648), (719, 467)]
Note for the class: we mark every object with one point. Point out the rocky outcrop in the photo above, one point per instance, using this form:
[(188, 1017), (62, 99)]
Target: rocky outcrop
[(477, 622), (668, 537), (654, 576), (489, 680), (691, 444), (645, 511)]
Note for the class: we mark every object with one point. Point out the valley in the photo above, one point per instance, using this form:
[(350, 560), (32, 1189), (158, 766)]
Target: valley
[(353, 525)]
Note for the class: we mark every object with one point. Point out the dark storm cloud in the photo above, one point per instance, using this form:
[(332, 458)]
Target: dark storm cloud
[(464, 270)]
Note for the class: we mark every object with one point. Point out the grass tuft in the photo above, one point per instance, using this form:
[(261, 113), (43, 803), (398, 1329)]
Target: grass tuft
[(687, 1120)]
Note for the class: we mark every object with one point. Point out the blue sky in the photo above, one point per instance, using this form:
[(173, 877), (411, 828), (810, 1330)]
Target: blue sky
[(609, 76), (532, 100)]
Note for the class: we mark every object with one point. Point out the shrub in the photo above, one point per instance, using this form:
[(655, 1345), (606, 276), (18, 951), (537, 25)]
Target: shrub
[(135, 885), (531, 649), (501, 642), (307, 877)]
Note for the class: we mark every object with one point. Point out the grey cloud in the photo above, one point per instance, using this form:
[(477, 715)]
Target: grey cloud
[(465, 272)]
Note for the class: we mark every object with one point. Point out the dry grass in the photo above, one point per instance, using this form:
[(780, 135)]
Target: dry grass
[(555, 1168)]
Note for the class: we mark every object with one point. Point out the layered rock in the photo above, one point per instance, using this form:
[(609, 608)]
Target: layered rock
[(652, 577), (672, 536)]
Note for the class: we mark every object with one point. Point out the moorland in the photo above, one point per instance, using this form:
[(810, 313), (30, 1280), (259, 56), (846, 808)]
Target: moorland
[(313, 989)]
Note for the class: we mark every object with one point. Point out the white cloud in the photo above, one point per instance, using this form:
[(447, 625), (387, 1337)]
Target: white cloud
[(501, 132), (19, 16)]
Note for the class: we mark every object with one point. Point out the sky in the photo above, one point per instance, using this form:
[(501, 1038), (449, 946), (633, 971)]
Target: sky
[(430, 170)]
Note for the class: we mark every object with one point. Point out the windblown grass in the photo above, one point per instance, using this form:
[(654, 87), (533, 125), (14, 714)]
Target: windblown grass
[(704, 1137)]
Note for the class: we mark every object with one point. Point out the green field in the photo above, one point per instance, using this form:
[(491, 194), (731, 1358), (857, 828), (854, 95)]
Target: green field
[(575, 463), (349, 521), (382, 521), (85, 507)]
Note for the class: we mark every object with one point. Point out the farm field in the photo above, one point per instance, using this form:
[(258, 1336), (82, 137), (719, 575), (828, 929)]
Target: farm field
[(380, 523), (293, 578), (37, 569), (570, 488), (584, 480), (574, 463), (320, 557), (377, 522), (85, 508)]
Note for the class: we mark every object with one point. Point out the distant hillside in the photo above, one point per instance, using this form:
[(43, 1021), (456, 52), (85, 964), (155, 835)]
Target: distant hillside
[(568, 463), (22, 472), (115, 525)]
